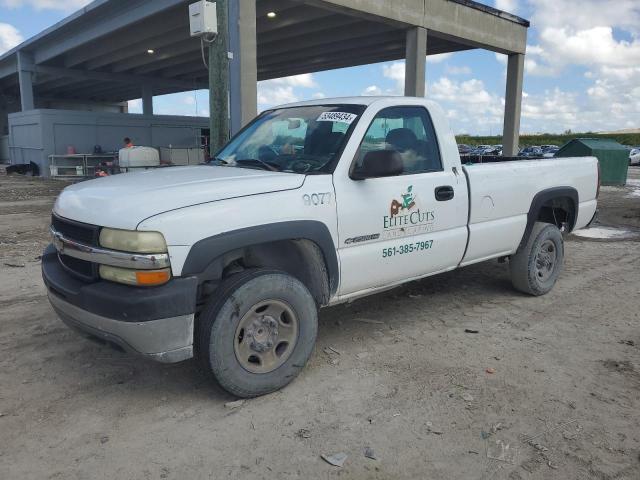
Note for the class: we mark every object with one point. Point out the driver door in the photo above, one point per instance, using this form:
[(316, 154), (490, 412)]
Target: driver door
[(405, 225)]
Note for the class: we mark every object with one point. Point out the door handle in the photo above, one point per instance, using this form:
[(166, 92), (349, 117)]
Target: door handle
[(444, 193)]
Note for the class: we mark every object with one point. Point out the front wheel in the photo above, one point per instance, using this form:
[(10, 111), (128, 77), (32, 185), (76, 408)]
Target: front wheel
[(535, 268), (257, 332)]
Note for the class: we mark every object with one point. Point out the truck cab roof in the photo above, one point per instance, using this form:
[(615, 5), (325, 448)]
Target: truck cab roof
[(368, 100)]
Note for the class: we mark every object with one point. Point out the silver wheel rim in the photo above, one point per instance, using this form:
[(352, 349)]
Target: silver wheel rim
[(266, 336), (546, 260)]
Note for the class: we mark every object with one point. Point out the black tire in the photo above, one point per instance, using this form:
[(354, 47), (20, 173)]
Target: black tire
[(531, 272), (216, 330)]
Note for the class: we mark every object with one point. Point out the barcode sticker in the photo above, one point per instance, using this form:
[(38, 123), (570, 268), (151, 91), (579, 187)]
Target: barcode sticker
[(341, 117)]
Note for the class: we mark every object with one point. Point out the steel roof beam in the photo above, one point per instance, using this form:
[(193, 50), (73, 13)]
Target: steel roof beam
[(186, 70), (107, 77), (143, 31), (345, 59), (293, 16), (187, 46), (329, 50), (70, 88), (279, 71), (279, 34), (61, 84), (189, 58), (400, 14), (126, 94), (101, 27), (342, 61), (189, 69), (330, 36), (139, 48), (278, 6), (104, 89)]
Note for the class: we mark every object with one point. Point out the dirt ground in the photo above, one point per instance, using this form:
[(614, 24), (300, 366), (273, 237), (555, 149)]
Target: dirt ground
[(395, 372)]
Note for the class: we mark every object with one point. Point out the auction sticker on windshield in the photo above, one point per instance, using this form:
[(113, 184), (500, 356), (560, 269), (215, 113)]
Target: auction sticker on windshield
[(341, 117)]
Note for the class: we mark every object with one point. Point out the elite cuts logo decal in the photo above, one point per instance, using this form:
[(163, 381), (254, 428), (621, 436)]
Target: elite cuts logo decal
[(407, 203), (406, 217)]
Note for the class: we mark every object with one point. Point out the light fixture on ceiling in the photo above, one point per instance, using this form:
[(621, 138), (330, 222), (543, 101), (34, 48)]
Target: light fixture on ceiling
[(151, 51), (271, 14)]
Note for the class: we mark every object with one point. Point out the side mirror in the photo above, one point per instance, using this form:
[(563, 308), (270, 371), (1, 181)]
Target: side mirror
[(379, 163)]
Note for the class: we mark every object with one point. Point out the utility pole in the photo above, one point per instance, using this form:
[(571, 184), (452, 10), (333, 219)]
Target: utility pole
[(219, 82)]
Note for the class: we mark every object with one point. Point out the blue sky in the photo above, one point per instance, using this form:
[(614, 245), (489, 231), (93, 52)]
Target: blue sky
[(582, 69)]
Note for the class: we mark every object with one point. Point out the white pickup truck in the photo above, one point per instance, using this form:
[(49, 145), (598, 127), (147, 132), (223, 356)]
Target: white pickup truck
[(312, 204)]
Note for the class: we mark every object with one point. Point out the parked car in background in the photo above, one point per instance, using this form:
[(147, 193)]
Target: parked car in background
[(634, 156), (550, 152), (531, 152), (464, 149), (492, 150), (548, 147), (485, 150), (476, 151)]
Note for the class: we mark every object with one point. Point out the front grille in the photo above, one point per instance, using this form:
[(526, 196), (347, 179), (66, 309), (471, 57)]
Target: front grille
[(83, 233), (80, 268), (80, 232)]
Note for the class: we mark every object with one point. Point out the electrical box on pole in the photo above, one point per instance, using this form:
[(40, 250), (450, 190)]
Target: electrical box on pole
[(203, 18), (208, 21)]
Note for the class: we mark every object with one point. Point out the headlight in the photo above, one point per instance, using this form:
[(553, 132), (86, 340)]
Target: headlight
[(141, 278), (132, 241)]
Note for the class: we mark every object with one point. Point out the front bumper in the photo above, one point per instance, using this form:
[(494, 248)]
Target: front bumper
[(155, 322)]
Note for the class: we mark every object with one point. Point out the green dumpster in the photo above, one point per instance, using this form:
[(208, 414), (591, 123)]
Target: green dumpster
[(613, 157)]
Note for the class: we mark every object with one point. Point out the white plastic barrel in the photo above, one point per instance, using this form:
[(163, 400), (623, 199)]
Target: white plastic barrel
[(138, 157)]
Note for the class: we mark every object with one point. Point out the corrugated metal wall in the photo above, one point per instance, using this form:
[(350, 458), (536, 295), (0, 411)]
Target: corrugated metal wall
[(36, 134)]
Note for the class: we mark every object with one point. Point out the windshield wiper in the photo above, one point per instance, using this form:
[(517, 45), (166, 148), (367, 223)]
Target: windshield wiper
[(262, 165), (221, 161), (267, 166)]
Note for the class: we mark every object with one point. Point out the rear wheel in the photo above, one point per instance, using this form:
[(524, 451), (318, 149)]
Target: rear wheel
[(257, 332), (535, 269)]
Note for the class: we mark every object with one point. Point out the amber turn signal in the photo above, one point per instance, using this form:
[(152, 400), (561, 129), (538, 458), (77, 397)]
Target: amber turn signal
[(154, 277), (141, 278)]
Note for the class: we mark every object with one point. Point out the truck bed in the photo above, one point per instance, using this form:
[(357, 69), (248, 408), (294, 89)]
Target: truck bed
[(501, 193)]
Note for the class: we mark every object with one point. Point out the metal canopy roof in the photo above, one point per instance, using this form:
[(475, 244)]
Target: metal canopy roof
[(100, 53)]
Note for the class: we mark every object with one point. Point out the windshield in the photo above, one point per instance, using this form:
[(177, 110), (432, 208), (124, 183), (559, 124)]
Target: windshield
[(304, 139)]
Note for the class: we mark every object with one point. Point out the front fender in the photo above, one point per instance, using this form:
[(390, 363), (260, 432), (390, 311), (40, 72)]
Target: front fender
[(207, 250)]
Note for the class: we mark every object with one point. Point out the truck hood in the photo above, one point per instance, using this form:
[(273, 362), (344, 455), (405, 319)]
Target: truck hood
[(123, 201)]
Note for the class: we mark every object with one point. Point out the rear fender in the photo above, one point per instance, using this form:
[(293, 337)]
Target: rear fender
[(543, 198)]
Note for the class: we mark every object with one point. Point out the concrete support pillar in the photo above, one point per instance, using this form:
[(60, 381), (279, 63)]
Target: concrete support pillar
[(147, 99), (219, 81), (243, 72), (513, 104), (416, 56), (25, 79)]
